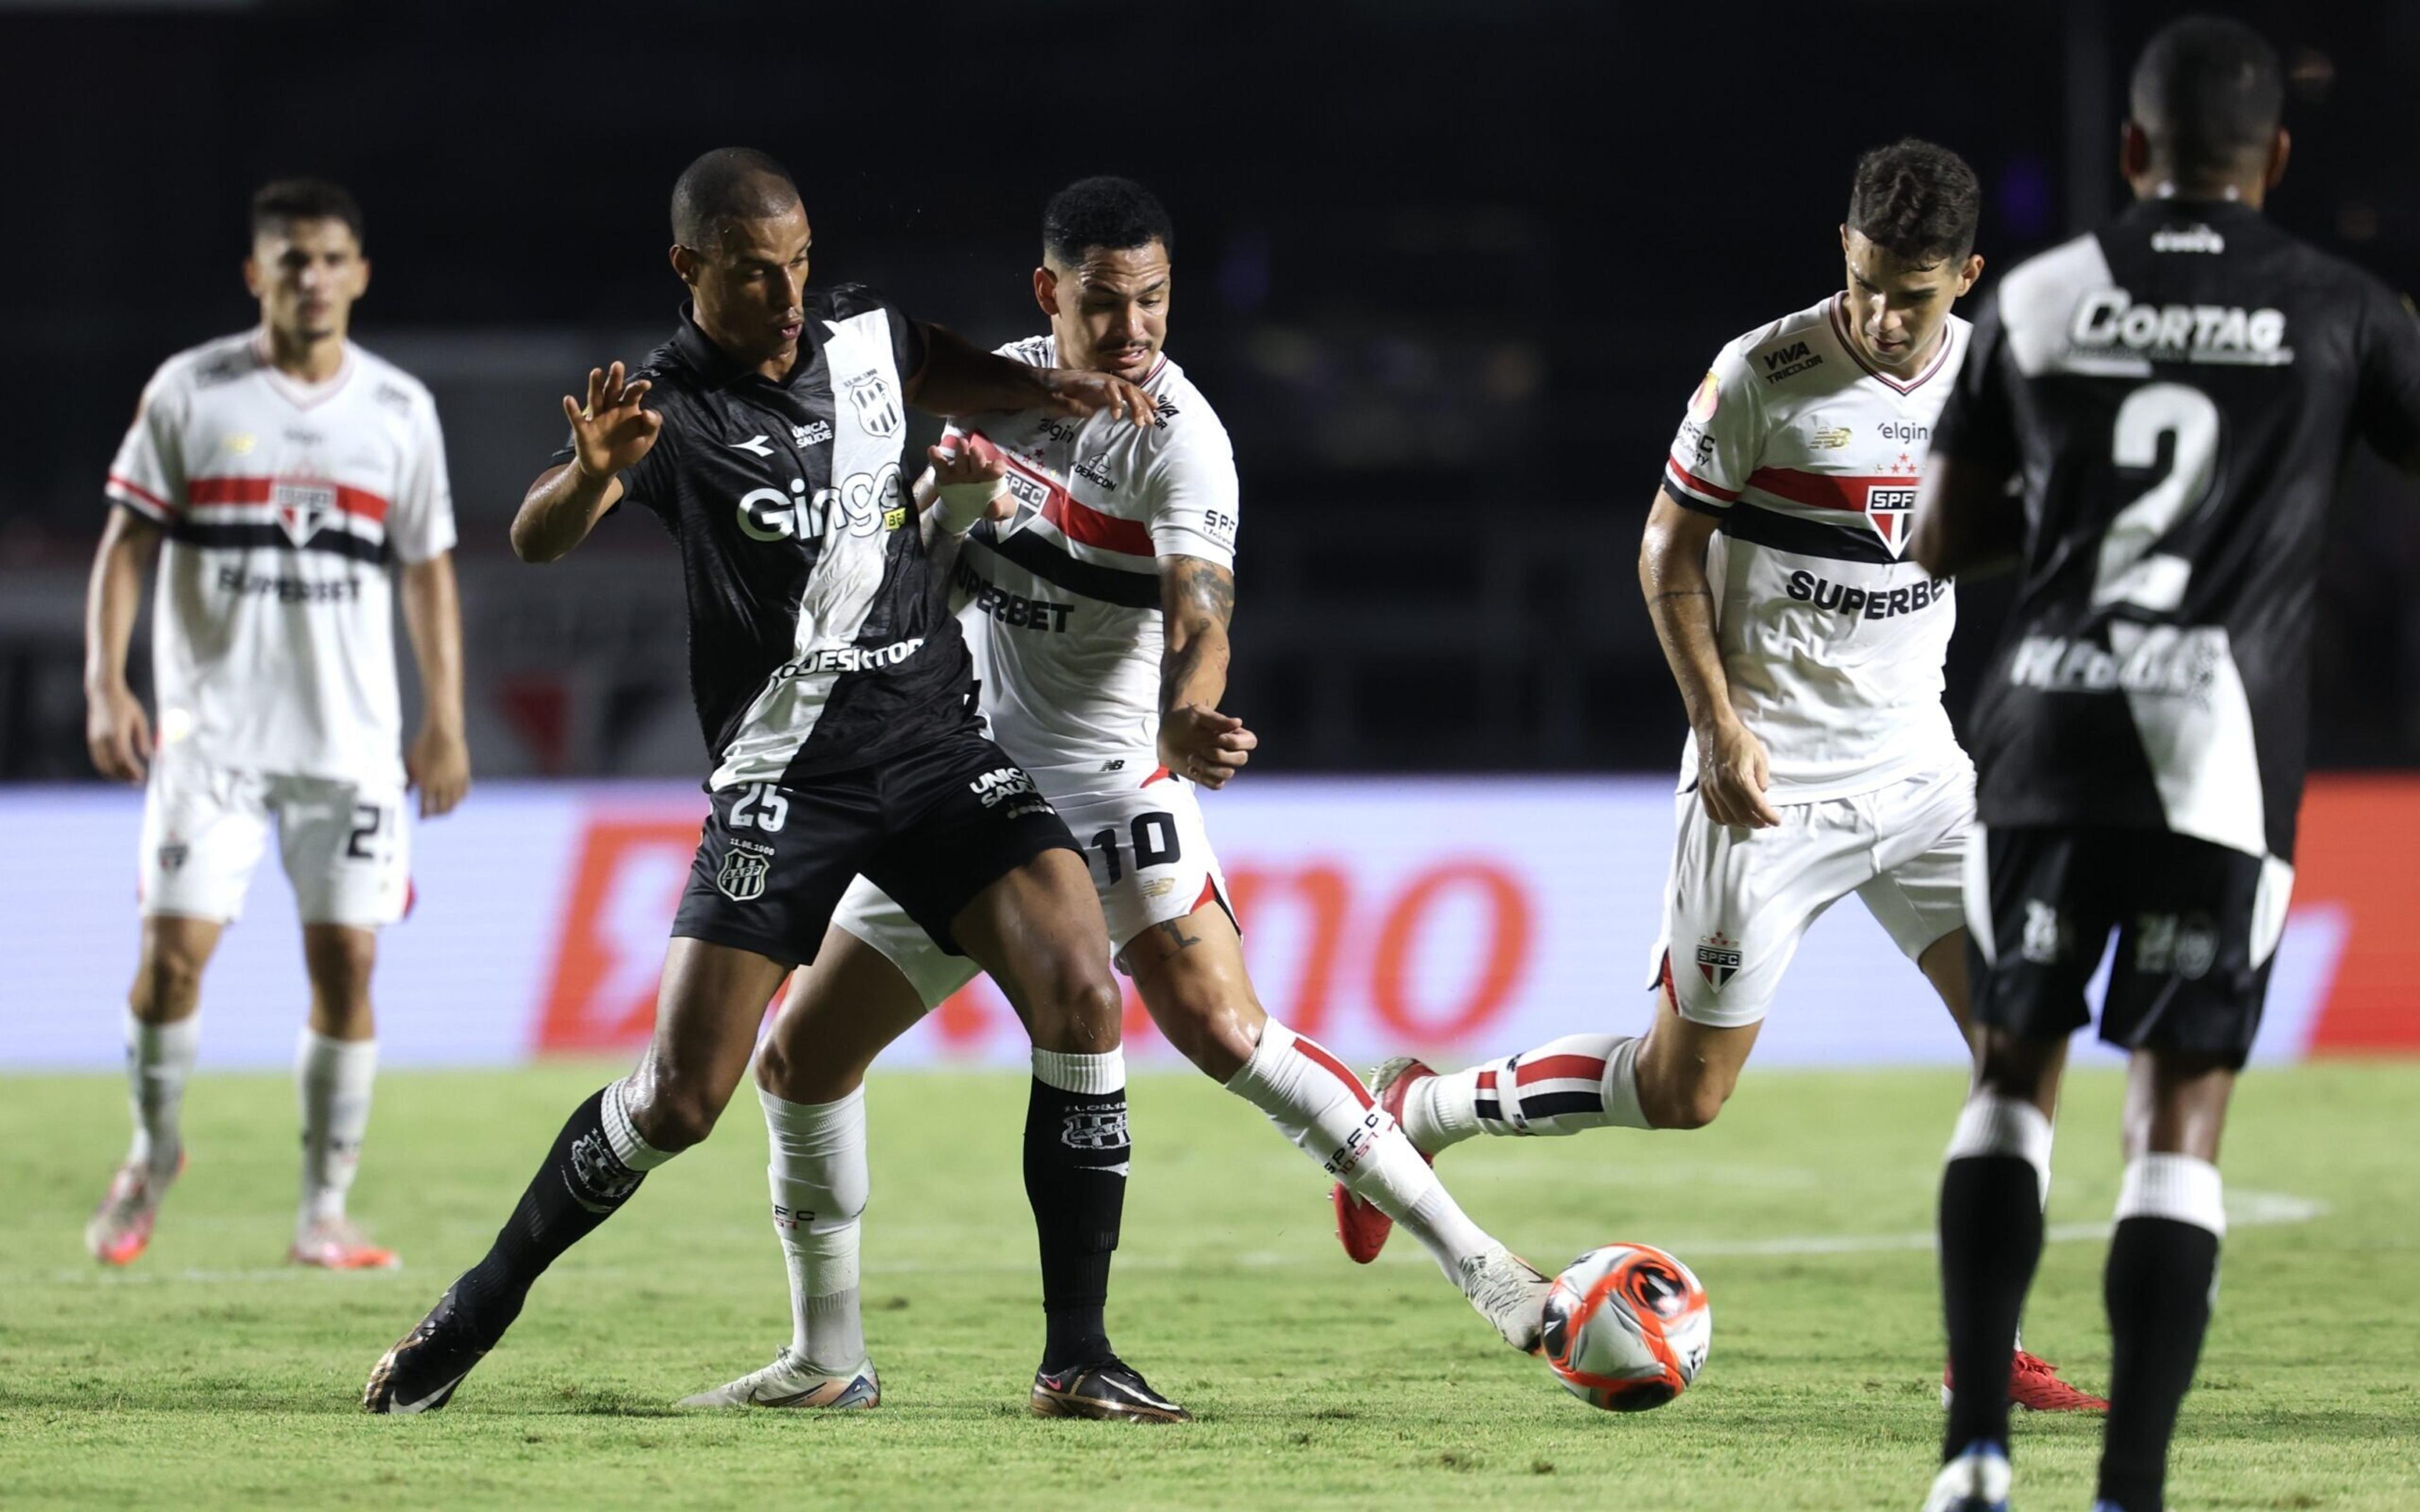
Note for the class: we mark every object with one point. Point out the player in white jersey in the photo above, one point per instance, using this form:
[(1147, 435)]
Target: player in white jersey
[(1808, 652), (1096, 583), (277, 475)]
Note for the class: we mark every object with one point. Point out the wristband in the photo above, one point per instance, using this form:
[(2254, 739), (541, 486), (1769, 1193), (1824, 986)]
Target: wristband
[(962, 503)]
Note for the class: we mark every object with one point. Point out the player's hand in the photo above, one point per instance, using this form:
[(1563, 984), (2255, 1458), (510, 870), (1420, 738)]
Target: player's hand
[(1078, 391), (439, 764), (610, 431), (972, 459), (1733, 771), (1204, 746), (117, 734)]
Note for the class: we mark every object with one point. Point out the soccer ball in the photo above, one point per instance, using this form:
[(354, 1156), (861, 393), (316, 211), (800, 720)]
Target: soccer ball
[(1627, 1328)]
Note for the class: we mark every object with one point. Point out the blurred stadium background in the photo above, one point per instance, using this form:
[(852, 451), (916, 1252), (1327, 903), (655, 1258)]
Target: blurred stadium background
[(1449, 269)]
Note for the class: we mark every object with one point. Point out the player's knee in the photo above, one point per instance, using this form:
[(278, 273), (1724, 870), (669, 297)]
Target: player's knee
[(1681, 1103), (1079, 1015), (1214, 1035), (673, 1119), (169, 979), (804, 1078)]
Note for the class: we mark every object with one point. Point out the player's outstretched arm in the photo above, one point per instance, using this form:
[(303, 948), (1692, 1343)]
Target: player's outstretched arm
[(114, 728), (1732, 767), (1196, 601), (1966, 523), (438, 762), (960, 378), (609, 433)]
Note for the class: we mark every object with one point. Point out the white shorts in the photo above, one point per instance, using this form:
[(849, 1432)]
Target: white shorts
[(345, 844), (1151, 861), (1740, 900)]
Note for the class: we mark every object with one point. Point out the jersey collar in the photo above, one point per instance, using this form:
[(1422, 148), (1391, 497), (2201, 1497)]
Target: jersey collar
[(717, 366)]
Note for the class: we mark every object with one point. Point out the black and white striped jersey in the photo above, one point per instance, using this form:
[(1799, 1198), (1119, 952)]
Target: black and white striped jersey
[(818, 638), (2177, 392)]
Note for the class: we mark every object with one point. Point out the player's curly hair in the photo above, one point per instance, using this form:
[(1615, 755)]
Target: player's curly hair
[(1104, 212), (280, 203), (1917, 201)]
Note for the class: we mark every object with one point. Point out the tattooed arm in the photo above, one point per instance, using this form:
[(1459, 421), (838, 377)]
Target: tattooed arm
[(1732, 767), (1196, 599)]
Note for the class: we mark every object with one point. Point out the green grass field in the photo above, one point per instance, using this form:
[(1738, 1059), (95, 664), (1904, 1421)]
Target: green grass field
[(210, 1376)]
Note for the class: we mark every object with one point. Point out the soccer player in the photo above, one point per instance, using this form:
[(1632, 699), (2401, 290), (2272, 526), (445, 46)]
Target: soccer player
[(1097, 604), (836, 700), (288, 470), (1808, 651), (2176, 391)]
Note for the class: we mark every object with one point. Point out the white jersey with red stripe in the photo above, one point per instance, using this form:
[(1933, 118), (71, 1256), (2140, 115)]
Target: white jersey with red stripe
[(1060, 604), (283, 504), (1832, 641)]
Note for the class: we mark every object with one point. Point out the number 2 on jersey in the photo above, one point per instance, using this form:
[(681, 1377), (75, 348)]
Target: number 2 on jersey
[(2130, 572)]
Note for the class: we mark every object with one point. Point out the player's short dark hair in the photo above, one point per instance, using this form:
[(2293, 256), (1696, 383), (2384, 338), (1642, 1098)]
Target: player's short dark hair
[(1917, 201), (2208, 92), (1104, 212), (280, 203), (728, 184)]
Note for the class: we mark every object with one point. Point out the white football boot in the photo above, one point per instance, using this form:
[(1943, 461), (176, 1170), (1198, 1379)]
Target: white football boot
[(790, 1381), (1977, 1481), (1509, 1292)]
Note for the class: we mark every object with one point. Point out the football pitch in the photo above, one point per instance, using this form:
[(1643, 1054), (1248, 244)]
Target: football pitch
[(209, 1375)]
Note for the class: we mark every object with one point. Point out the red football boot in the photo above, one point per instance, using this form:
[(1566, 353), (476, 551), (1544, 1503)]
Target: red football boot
[(2034, 1385), (1361, 1228)]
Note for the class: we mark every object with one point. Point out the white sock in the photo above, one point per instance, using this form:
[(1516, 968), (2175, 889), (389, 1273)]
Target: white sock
[(332, 1081), (622, 1137), (1994, 1124), (159, 1062), (1092, 1075), (819, 1180), (2183, 1188), (1328, 1114), (1581, 1081)]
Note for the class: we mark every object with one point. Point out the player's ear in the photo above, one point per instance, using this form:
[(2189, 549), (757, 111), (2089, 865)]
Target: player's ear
[(1844, 239), (251, 276), (2279, 150), (362, 280), (1969, 272), (683, 265), (1046, 290), (2134, 152)]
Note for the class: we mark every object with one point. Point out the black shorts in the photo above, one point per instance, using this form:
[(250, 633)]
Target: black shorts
[(932, 828), (2197, 926)]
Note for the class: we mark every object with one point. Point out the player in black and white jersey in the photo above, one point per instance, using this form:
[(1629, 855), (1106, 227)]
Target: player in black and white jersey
[(2175, 391), (288, 483), (835, 696), (1097, 602)]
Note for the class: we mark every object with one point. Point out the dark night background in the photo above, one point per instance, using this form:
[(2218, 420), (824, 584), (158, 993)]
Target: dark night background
[(1449, 270)]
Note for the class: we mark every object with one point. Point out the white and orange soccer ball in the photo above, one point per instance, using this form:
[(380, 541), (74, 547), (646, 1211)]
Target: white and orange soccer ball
[(1627, 1328)]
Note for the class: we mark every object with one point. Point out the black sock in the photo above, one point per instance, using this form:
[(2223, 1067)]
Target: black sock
[(1075, 1152), (2157, 1287), (1991, 1240), (580, 1185)]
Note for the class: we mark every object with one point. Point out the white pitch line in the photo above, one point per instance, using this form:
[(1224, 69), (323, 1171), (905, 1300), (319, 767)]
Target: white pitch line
[(2245, 1208)]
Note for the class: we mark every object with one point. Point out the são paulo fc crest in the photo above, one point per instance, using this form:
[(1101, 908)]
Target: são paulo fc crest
[(1718, 959), (302, 508), (1889, 507), (877, 409)]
